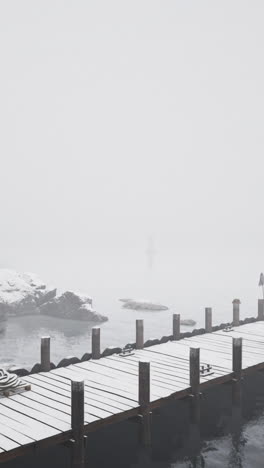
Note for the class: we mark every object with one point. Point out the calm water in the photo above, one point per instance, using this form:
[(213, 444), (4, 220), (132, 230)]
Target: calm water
[(227, 437), (184, 280)]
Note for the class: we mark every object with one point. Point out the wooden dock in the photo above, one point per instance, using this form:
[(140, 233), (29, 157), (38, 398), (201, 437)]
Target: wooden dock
[(67, 403)]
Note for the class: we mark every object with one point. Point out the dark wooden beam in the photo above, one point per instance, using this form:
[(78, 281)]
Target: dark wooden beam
[(77, 423), (176, 330), (139, 334), (96, 346), (45, 354)]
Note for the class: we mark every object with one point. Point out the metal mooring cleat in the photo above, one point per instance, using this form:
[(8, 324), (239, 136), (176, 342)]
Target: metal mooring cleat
[(129, 351), (206, 370)]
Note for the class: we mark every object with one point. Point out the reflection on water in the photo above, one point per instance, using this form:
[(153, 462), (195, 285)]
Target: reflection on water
[(20, 339), (20, 336), (175, 442), (228, 436), (239, 449)]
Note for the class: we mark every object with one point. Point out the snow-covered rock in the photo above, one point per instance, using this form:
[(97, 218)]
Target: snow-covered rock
[(142, 305), (188, 322), (72, 306), (147, 305), (26, 294), (21, 293)]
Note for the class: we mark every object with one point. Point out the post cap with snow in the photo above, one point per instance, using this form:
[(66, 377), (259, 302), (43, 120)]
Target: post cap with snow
[(236, 301)]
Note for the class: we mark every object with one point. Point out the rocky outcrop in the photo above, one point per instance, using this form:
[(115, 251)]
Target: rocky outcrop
[(26, 294), (70, 305), (142, 305), (146, 305), (21, 293), (188, 322)]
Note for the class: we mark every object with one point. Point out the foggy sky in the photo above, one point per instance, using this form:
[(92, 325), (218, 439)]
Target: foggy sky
[(124, 119)]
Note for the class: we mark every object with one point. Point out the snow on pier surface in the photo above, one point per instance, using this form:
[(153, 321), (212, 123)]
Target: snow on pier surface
[(111, 386)]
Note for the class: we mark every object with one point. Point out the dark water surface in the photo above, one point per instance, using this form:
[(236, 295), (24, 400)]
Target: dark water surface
[(187, 283), (185, 279), (228, 436)]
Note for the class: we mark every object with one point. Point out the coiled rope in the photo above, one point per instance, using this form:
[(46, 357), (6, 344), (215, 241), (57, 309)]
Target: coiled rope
[(9, 381)]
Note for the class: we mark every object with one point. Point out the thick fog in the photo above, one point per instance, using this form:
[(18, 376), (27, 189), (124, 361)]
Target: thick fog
[(122, 121)]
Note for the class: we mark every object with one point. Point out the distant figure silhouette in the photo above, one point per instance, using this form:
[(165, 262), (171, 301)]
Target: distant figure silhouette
[(261, 282)]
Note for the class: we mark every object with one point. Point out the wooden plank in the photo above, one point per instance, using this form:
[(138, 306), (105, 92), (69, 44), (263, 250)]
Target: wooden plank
[(222, 357), (7, 444), (34, 414), (117, 376), (40, 389), (167, 372), (182, 350), (182, 365), (254, 329), (179, 374), (224, 339), (95, 395), (156, 376), (14, 435), (64, 409), (252, 338), (213, 347), (249, 346), (17, 427), (128, 382), (89, 401), (218, 372), (249, 359), (95, 383), (33, 428), (29, 400), (89, 407), (116, 384), (103, 383)]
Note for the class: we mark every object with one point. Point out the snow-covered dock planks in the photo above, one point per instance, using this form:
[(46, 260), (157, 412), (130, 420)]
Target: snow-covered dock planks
[(42, 416)]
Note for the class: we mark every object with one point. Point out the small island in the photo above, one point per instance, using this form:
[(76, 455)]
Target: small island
[(151, 306), (25, 294)]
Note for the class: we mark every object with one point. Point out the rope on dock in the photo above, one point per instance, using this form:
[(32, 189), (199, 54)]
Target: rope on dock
[(9, 381)]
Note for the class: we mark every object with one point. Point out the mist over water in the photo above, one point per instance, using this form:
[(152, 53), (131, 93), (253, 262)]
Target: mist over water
[(185, 280), (123, 122)]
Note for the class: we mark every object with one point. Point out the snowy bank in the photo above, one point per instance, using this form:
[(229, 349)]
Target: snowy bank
[(25, 294)]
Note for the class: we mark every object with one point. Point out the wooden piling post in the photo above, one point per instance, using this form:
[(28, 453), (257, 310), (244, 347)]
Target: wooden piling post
[(261, 309), (237, 357), (194, 384), (237, 369), (144, 400), (77, 423), (139, 334), (194, 369), (96, 347), (208, 319), (176, 323), (236, 312), (45, 354)]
